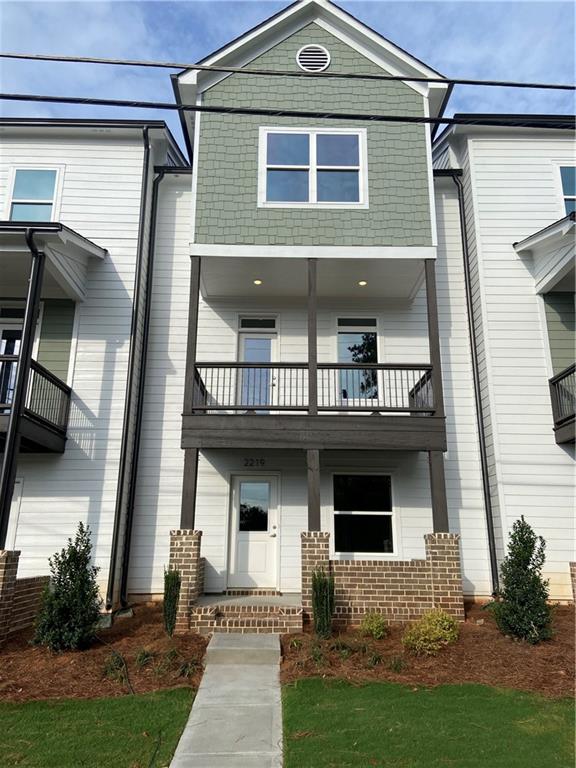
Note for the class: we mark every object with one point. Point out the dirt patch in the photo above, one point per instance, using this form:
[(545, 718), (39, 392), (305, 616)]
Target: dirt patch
[(481, 655), (28, 673)]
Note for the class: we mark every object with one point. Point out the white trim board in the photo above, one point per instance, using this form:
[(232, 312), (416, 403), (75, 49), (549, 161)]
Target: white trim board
[(315, 251)]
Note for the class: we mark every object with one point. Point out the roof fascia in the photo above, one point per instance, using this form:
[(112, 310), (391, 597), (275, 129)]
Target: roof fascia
[(545, 237)]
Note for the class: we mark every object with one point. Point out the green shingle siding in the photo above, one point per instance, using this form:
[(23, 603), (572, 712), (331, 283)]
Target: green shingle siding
[(227, 212), (56, 336), (561, 325)]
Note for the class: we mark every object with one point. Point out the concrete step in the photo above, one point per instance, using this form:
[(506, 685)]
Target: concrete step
[(249, 648), (246, 618)]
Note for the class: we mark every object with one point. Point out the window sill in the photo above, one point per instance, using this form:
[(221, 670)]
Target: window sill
[(317, 206)]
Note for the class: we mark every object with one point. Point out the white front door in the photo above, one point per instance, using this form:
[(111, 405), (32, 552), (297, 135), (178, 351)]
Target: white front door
[(254, 533)]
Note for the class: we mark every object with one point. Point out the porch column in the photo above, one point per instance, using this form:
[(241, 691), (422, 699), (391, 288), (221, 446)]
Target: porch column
[(12, 444), (313, 469), (434, 336), (438, 492), (312, 338), (188, 509)]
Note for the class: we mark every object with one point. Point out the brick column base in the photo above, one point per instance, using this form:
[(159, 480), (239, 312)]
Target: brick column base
[(8, 572), (573, 580), (443, 558), (185, 558), (315, 555)]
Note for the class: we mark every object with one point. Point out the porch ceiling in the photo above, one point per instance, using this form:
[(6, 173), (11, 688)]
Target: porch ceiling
[(234, 277)]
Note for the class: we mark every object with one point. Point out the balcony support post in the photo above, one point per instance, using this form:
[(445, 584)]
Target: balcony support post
[(438, 492), (313, 469), (189, 482), (12, 444), (312, 338), (434, 336)]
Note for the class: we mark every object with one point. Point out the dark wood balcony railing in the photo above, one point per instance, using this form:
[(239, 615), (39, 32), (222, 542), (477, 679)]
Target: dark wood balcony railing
[(265, 387), (47, 398), (563, 394)]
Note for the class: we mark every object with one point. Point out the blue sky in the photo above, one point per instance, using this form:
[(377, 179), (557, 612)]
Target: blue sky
[(498, 40)]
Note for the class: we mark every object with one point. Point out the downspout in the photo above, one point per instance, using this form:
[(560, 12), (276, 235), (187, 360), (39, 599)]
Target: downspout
[(477, 390), (141, 387), (130, 379), (12, 444)]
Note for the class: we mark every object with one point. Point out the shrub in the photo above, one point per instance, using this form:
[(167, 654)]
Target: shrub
[(115, 667), (322, 602), (431, 633), (396, 664), (374, 625), (70, 606), (521, 609), (144, 658), (172, 582)]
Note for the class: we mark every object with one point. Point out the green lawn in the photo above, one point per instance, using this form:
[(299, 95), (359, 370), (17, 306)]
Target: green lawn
[(125, 732), (332, 724)]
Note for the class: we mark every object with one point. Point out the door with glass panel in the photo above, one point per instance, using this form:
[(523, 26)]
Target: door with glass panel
[(10, 338), (256, 385), (357, 344), (254, 533)]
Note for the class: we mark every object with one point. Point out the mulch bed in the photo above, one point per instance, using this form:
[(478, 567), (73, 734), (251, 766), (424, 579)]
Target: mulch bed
[(30, 673), (481, 655)]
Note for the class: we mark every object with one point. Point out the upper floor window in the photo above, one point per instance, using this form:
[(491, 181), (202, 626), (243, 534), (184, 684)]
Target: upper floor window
[(33, 194), (568, 174), (313, 168)]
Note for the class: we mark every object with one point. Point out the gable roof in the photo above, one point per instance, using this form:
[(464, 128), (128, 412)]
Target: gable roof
[(373, 46)]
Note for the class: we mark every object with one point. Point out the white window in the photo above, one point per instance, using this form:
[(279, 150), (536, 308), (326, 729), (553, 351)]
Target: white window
[(568, 176), (363, 515), (320, 168), (33, 194)]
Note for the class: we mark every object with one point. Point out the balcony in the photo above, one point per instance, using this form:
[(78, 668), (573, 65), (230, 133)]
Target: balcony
[(563, 396), (45, 416), (273, 405)]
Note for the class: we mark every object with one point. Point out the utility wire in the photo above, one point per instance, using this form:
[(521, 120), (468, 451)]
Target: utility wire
[(560, 122), (284, 73)]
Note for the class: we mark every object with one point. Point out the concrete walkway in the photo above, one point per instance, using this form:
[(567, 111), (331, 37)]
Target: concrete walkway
[(236, 719)]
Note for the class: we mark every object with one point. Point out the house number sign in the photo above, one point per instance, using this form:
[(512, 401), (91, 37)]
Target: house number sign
[(254, 462)]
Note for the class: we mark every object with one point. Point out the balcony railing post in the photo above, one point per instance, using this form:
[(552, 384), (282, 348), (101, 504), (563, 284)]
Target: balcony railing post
[(434, 336), (312, 337)]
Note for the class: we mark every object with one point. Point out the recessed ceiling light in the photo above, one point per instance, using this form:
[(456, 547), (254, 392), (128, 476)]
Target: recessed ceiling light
[(257, 282), (362, 282)]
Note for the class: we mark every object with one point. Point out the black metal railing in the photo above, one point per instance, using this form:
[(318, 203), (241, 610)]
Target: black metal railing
[(47, 397), (563, 394), (265, 387)]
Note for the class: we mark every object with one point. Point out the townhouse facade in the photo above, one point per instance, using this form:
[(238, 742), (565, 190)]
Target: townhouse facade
[(320, 343)]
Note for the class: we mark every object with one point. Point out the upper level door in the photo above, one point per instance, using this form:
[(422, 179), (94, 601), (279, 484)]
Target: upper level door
[(357, 344), (257, 383)]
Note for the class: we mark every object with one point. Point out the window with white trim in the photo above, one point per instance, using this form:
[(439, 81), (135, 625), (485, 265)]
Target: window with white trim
[(568, 176), (33, 194), (363, 515), (323, 168)]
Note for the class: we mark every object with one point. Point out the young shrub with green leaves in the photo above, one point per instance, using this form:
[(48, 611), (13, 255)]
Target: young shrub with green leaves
[(322, 602), (374, 625), (70, 606), (172, 582), (521, 609), (431, 633)]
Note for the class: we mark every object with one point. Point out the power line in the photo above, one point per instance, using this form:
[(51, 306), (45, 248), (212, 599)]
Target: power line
[(559, 122), (284, 73)]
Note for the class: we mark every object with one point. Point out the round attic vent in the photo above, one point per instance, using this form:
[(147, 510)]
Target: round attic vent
[(313, 58)]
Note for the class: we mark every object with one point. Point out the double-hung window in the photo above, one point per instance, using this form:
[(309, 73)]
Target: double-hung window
[(313, 168), (33, 194), (363, 516), (568, 175)]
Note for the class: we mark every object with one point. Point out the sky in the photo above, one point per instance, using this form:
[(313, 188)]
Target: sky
[(525, 41)]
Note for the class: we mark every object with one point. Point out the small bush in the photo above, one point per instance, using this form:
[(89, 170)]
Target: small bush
[(374, 625), (144, 658), (317, 655), (521, 609), (70, 606), (115, 667), (187, 668), (322, 602), (431, 633), (374, 660), (295, 643), (397, 664), (172, 582)]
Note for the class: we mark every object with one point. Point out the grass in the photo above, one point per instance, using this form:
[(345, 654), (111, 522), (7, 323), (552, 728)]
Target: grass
[(333, 724), (124, 732)]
